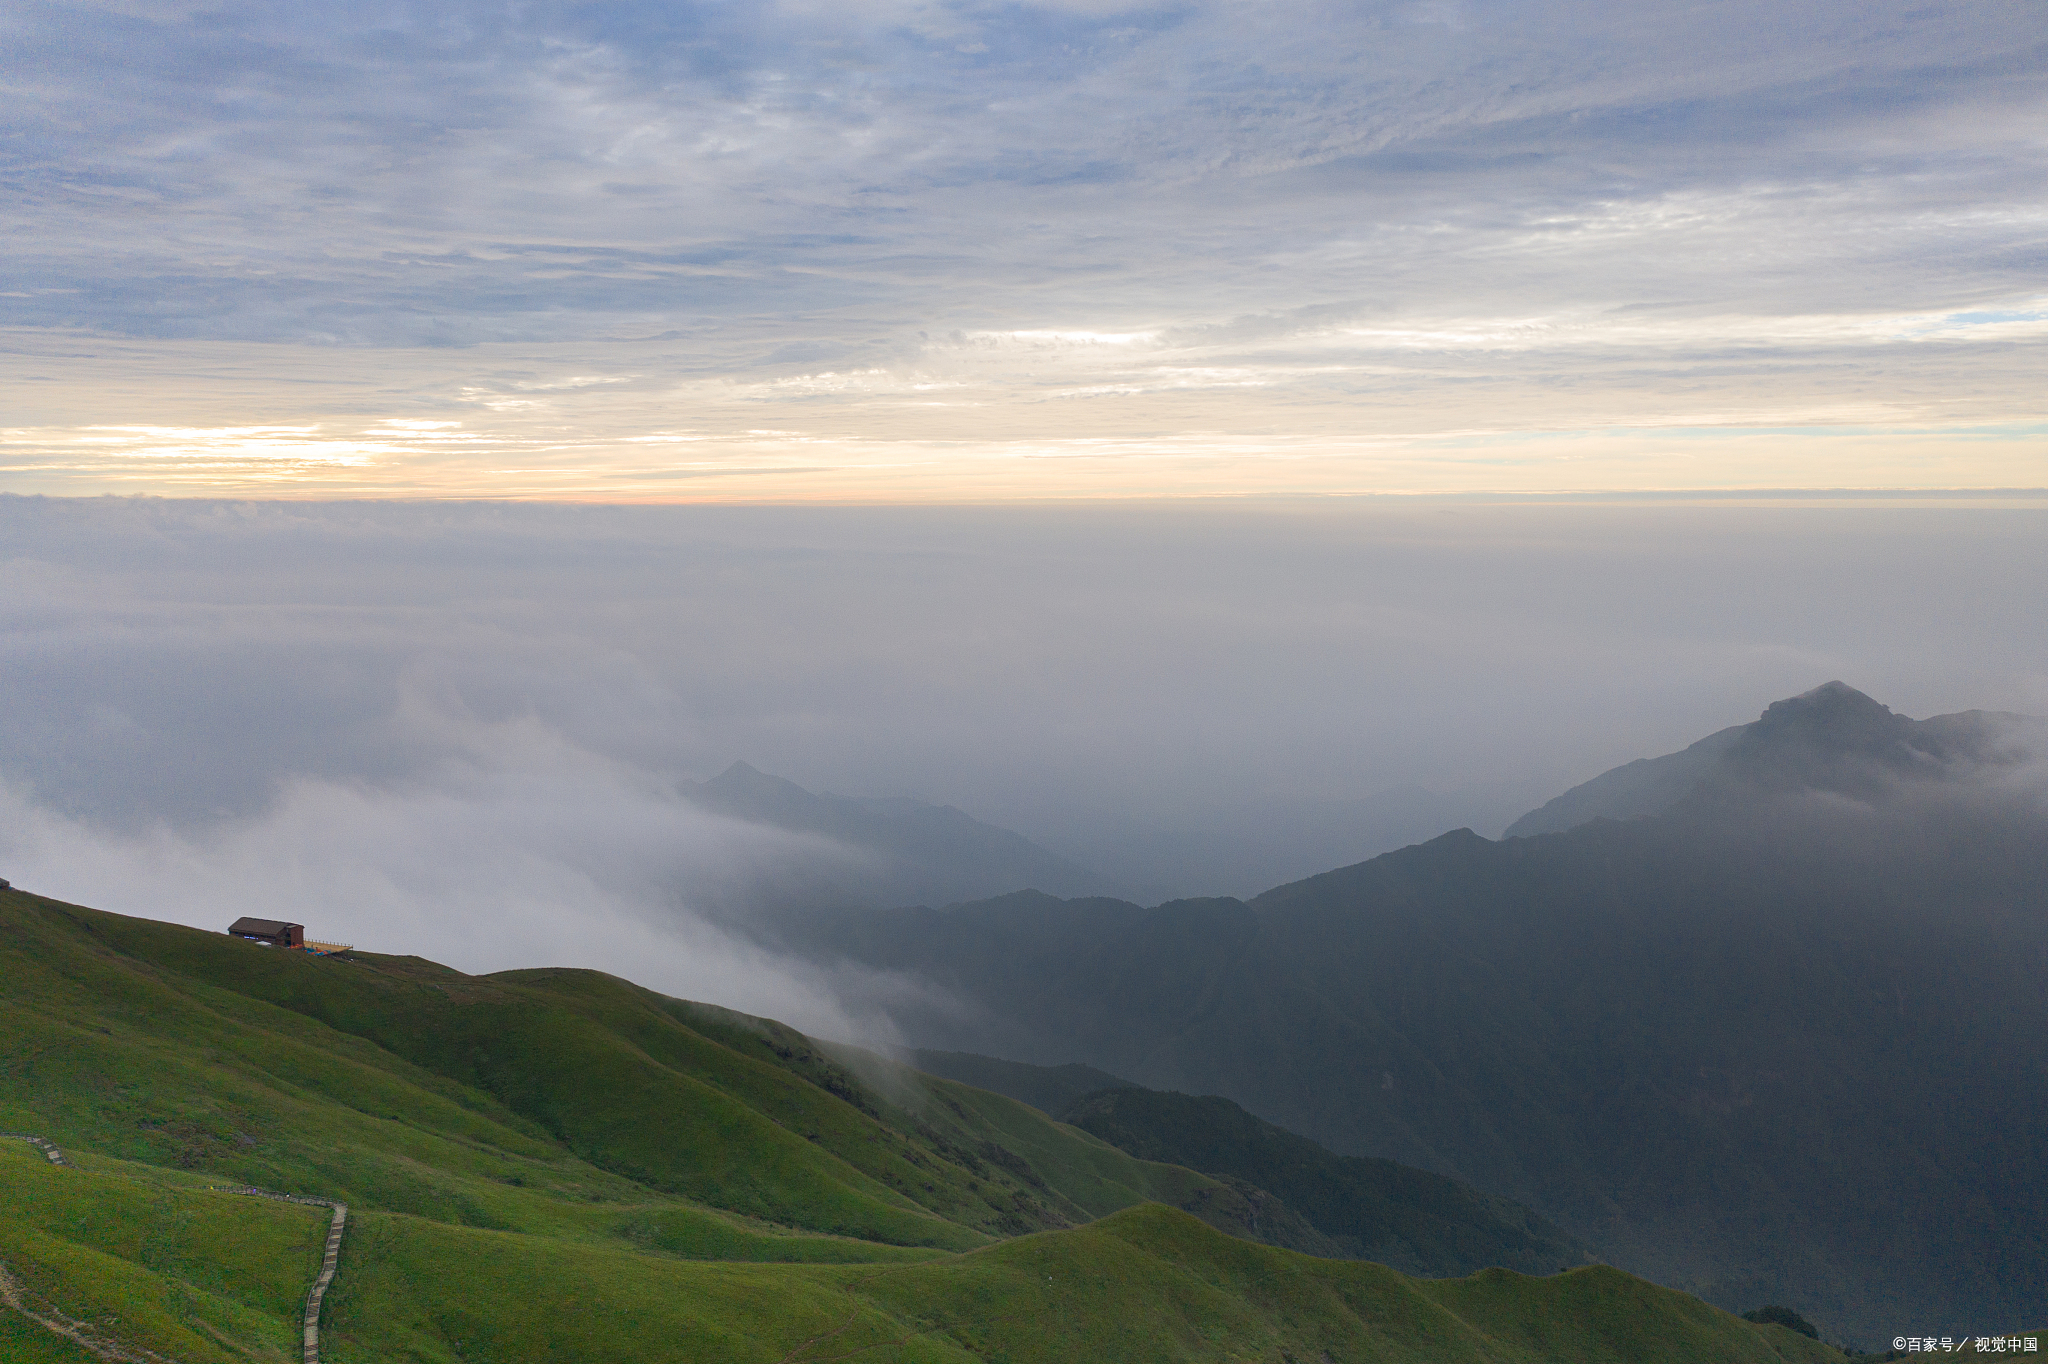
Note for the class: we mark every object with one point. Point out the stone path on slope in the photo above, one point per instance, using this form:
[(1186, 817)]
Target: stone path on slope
[(48, 1148), (328, 1262), (81, 1332)]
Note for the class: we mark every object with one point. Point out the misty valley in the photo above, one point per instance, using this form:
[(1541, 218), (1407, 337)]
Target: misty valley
[(1737, 1053)]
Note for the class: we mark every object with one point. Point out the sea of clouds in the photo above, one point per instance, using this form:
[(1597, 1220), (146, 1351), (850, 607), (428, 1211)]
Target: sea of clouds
[(461, 730)]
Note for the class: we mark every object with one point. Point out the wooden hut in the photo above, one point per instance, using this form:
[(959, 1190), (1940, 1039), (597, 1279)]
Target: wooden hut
[(272, 931)]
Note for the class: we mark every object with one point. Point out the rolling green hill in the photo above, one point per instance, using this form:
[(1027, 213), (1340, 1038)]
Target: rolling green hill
[(558, 1166), (488, 1100), (1406, 1218), (1409, 1219)]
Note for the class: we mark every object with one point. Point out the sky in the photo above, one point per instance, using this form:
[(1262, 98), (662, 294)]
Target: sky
[(894, 252)]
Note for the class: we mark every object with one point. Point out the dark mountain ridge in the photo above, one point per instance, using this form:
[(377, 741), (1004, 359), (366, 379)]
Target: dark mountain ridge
[(898, 851), (1049, 1089), (1783, 1041), (1379, 1210), (1411, 1220)]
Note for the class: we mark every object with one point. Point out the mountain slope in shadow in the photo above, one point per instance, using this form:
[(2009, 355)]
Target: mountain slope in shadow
[(1417, 1222), (1784, 1041)]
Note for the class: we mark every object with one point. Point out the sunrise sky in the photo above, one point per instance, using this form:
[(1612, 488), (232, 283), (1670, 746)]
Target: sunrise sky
[(958, 252)]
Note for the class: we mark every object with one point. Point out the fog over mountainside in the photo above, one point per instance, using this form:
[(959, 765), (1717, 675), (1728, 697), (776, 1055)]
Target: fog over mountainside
[(1832, 739), (881, 851), (1785, 1041), (1236, 844), (1647, 786), (902, 851)]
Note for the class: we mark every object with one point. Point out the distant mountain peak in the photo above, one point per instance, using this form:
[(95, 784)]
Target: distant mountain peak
[(1836, 697), (1832, 738), (744, 776), (907, 851), (1833, 714)]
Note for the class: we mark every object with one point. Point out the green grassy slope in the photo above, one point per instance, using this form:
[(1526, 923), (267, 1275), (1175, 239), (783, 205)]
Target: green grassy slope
[(490, 1100), (23, 1342), (1049, 1089), (557, 1166), (1151, 1284), (207, 1278), (121, 1057), (198, 1275), (396, 1082), (1413, 1220)]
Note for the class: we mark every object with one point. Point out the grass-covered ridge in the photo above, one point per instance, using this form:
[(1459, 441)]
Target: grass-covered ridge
[(558, 1166), (1373, 1209)]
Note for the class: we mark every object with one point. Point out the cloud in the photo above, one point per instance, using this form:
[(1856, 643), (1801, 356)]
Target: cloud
[(399, 174), (523, 851), (1342, 238), (185, 662)]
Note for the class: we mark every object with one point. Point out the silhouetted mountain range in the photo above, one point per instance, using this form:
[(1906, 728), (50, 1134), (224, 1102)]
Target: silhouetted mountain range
[(1410, 1219), (1780, 1037), (1049, 1089), (1647, 786), (1236, 843), (899, 851)]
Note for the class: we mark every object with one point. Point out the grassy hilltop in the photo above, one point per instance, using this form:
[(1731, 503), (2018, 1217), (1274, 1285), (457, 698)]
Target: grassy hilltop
[(559, 1166)]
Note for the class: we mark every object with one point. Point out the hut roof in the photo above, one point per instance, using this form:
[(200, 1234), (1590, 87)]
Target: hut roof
[(262, 928)]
